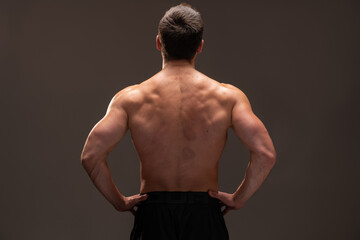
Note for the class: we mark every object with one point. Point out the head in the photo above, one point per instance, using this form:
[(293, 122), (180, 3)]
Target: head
[(180, 33)]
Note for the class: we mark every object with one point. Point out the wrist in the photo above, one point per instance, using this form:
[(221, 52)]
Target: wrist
[(237, 202), (121, 204)]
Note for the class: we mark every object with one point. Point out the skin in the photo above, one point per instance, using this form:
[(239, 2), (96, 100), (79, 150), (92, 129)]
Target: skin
[(178, 121)]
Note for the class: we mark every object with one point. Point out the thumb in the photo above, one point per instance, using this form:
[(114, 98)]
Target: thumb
[(213, 194), (142, 197)]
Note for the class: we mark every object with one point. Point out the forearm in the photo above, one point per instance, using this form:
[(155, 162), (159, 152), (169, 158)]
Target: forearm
[(258, 169), (100, 175)]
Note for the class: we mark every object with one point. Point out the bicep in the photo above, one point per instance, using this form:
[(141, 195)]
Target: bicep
[(249, 128)]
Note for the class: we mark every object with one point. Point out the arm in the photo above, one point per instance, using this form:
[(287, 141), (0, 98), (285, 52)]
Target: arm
[(254, 136), (100, 142)]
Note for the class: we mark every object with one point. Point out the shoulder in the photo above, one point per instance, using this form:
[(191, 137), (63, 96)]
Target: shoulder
[(133, 97), (127, 96), (126, 92), (235, 93), (233, 90)]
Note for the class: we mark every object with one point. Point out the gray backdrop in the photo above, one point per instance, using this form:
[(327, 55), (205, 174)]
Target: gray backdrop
[(62, 61)]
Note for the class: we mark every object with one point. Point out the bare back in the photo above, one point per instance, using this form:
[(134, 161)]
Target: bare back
[(178, 122)]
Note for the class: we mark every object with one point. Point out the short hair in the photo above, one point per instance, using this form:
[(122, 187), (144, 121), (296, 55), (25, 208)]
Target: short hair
[(180, 32)]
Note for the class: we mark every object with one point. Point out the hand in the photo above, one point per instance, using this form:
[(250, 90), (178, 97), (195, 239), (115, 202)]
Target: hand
[(131, 202), (227, 200)]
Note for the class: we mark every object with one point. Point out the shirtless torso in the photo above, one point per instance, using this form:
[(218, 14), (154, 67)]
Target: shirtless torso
[(178, 121)]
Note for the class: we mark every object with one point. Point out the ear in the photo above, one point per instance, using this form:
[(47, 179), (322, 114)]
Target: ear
[(200, 47), (158, 43)]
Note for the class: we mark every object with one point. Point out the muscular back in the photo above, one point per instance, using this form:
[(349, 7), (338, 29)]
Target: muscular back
[(178, 122)]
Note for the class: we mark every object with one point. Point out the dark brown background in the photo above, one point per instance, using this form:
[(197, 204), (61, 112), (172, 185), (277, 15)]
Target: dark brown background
[(62, 61)]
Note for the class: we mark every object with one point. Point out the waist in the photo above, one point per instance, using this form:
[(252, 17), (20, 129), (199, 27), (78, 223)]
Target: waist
[(179, 197)]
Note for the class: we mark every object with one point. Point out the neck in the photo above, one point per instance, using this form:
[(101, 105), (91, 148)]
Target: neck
[(178, 63)]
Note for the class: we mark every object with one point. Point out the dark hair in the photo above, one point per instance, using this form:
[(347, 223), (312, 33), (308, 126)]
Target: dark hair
[(180, 32)]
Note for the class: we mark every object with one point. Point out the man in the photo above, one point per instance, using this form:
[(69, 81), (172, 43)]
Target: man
[(178, 121)]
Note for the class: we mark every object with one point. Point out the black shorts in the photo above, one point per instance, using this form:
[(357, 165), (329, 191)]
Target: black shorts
[(179, 215)]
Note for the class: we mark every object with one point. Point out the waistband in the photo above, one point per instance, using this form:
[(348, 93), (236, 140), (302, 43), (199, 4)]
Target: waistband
[(179, 197)]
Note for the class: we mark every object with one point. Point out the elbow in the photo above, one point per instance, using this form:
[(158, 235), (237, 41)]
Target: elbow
[(83, 159), (86, 159), (267, 157), (272, 158), (90, 160), (88, 163), (88, 155)]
